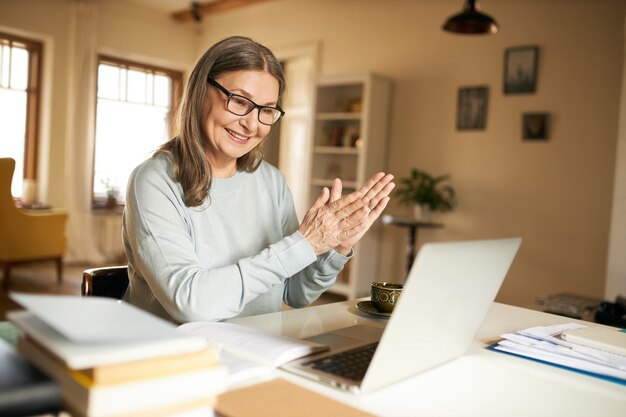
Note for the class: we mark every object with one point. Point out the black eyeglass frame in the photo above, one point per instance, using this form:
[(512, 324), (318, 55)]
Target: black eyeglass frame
[(230, 95)]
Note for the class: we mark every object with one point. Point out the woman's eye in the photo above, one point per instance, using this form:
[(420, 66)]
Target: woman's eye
[(240, 101), (268, 111)]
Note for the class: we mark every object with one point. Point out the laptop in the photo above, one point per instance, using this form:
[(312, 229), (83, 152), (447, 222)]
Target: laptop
[(446, 297)]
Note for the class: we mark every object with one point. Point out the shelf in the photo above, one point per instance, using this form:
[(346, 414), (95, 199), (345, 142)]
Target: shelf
[(351, 110), (337, 150), (321, 182), (339, 116)]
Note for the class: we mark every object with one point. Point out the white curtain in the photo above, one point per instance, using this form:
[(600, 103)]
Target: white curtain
[(82, 68)]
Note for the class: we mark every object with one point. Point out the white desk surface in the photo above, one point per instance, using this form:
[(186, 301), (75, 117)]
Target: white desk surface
[(481, 383)]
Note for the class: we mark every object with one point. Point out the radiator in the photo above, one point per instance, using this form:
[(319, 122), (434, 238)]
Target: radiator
[(109, 236)]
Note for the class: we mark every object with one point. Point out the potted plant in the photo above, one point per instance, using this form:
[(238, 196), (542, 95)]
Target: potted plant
[(112, 193), (427, 194)]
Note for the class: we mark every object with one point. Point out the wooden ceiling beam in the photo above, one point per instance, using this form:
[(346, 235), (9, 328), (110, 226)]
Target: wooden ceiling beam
[(214, 7)]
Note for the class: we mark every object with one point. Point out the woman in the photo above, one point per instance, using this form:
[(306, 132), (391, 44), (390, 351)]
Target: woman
[(210, 229)]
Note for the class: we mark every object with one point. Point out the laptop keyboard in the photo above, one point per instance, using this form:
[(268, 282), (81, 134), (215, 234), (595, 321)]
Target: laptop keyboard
[(351, 364)]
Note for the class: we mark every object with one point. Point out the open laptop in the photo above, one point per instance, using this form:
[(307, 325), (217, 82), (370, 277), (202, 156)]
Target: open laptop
[(446, 297)]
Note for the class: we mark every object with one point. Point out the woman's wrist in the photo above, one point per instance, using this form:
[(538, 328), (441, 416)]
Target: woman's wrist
[(343, 250)]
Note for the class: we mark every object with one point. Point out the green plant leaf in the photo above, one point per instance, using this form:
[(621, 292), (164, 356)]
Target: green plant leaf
[(422, 188)]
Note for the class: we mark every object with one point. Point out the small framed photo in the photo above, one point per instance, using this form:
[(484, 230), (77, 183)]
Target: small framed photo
[(535, 126), (520, 69), (472, 108)]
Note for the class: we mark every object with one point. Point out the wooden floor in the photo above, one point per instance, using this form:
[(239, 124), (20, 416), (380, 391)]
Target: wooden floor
[(40, 278)]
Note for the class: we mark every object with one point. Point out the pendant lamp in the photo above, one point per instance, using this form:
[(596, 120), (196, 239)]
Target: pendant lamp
[(471, 21)]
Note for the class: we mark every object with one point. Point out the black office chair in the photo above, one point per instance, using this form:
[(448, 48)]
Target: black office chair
[(110, 281)]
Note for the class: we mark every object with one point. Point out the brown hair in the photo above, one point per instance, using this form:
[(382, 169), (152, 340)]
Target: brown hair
[(188, 149)]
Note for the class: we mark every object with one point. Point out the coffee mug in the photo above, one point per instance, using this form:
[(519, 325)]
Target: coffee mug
[(385, 295)]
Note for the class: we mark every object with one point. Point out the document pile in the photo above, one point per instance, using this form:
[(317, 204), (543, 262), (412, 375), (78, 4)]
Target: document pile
[(111, 359), (598, 351)]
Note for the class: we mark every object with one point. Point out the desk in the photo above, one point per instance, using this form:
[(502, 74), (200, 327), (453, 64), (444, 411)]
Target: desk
[(482, 383), (413, 226)]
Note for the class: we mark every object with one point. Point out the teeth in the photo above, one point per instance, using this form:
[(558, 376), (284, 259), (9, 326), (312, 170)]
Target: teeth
[(237, 135)]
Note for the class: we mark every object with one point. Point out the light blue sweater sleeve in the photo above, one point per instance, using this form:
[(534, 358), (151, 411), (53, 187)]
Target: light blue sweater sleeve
[(238, 254)]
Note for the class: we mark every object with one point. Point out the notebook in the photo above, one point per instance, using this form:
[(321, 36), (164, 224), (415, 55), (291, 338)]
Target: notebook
[(446, 297)]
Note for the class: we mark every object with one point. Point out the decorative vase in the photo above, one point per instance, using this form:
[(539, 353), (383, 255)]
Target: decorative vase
[(422, 212)]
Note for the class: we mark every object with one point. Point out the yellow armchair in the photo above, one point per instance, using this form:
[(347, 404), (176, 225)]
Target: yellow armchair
[(25, 235)]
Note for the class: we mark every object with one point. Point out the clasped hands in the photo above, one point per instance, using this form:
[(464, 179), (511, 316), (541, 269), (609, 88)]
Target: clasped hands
[(338, 222)]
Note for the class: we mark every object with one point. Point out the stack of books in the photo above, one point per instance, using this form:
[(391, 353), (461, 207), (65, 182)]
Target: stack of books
[(595, 351), (111, 359)]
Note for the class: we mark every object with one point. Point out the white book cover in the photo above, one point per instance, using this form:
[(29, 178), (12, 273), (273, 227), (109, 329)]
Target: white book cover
[(85, 332), (129, 398)]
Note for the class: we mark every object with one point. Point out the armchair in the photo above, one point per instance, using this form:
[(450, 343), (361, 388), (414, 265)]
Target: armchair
[(27, 236)]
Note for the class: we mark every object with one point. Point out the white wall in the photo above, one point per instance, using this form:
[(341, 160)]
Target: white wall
[(557, 194)]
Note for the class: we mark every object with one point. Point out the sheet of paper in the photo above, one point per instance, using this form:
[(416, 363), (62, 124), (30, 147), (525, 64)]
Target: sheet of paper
[(551, 335), (241, 370), (252, 344)]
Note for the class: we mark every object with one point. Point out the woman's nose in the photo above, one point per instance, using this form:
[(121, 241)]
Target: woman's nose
[(251, 120)]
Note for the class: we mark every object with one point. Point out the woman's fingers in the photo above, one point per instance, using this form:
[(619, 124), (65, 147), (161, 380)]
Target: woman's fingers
[(371, 182), (346, 204), (379, 208), (383, 193), (379, 186), (321, 200), (354, 230), (334, 219), (335, 192)]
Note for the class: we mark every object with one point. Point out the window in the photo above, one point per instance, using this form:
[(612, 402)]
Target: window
[(134, 107), (20, 69)]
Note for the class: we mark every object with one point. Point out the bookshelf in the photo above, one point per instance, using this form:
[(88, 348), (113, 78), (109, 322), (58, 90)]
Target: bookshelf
[(351, 120)]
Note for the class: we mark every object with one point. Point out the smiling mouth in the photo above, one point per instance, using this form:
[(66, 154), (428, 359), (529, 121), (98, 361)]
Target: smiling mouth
[(237, 135)]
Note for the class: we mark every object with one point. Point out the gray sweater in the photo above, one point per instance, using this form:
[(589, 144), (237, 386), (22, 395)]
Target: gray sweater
[(238, 254)]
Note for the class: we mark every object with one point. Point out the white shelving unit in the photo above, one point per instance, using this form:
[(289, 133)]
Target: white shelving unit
[(351, 120)]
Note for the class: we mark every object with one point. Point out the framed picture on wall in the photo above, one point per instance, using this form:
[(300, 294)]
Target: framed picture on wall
[(520, 69), (472, 108), (535, 126)]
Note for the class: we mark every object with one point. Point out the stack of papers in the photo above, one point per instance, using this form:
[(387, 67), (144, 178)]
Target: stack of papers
[(545, 344)]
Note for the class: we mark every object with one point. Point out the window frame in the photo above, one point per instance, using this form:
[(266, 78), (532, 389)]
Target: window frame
[(176, 95), (33, 99)]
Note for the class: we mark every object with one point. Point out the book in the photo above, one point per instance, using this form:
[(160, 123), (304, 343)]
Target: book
[(74, 316), (197, 408), (64, 325), (252, 344), (150, 396), (152, 367), (249, 353)]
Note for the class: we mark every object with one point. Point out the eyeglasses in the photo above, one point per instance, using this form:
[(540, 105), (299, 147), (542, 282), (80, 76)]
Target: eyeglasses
[(241, 106)]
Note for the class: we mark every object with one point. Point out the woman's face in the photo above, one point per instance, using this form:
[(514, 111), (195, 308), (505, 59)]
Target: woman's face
[(231, 136)]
